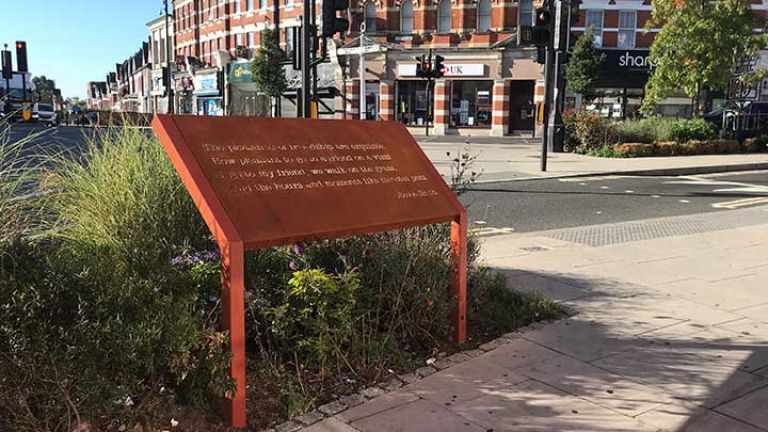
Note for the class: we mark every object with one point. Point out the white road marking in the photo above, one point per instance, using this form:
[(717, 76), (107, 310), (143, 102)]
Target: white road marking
[(490, 231), (684, 201), (741, 203), (629, 191), (480, 222), (604, 187), (655, 196)]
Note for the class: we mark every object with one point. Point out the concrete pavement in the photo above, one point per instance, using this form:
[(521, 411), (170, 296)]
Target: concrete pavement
[(670, 333), (513, 159)]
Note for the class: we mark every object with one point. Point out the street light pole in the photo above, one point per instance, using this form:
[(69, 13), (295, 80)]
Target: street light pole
[(169, 78), (361, 102)]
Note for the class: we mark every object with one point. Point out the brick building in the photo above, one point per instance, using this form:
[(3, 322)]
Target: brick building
[(490, 87), (492, 82)]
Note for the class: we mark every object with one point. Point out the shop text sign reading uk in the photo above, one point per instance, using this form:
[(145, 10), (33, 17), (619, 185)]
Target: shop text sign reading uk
[(282, 180)]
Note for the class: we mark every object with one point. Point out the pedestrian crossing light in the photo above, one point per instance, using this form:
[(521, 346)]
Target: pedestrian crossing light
[(332, 23)]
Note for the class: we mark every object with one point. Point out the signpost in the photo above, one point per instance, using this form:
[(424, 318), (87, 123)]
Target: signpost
[(261, 183)]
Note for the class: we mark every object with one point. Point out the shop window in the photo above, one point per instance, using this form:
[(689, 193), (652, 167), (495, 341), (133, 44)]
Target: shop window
[(406, 17), (484, 16), (595, 22), (471, 103), (370, 17), (444, 16), (412, 106), (627, 26)]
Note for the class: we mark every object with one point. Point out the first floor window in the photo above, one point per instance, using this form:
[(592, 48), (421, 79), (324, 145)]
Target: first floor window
[(406, 17), (484, 15), (444, 16), (595, 22), (627, 26), (370, 17)]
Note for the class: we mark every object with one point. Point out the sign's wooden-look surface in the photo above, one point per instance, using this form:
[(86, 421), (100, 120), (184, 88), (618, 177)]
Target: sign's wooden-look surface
[(268, 182)]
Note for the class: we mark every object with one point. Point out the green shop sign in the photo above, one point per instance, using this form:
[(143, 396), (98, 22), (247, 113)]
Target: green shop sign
[(240, 73)]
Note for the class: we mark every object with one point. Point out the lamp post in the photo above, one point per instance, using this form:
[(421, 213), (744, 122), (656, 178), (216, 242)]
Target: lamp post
[(361, 102), (169, 78)]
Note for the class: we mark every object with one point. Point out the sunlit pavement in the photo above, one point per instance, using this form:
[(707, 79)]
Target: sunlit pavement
[(670, 333)]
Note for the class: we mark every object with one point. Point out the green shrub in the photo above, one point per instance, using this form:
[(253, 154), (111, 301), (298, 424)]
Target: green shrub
[(592, 130), (570, 141), (316, 316), (648, 131), (695, 129)]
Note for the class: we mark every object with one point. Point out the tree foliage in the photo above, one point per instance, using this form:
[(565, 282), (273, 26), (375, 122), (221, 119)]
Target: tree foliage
[(268, 72), (44, 88), (698, 44), (583, 65)]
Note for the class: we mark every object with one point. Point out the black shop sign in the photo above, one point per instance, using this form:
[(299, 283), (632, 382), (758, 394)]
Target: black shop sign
[(625, 68)]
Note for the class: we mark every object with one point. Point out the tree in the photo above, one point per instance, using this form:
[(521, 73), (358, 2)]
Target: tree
[(44, 88), (583, 65), (697, 47), (268, 72)]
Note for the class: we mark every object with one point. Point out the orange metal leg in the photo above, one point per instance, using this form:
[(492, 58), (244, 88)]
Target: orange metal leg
[(233, 311), (459, 274)]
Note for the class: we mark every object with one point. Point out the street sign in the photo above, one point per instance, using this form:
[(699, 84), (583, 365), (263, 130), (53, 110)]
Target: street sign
[(262, 182), (366, 49)]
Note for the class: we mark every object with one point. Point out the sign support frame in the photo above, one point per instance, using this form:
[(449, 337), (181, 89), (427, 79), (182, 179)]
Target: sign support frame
[(233, 250)]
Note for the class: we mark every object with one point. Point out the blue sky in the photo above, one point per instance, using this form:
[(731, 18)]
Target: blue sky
[(76, 41)]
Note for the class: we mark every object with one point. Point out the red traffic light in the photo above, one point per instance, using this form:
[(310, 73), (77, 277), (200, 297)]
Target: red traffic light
[(20, 45)]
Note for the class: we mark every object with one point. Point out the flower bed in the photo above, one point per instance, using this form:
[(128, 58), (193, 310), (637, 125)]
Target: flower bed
[(109, 314)]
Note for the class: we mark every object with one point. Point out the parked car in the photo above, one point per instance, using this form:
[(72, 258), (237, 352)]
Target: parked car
[(748, 115), (46, 113)]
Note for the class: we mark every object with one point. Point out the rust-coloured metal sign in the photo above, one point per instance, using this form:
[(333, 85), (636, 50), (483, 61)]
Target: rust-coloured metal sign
[(266, 182)]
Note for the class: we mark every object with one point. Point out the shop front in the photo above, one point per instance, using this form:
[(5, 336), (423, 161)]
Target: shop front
[(207, 94), (244, 98), (469, 92), (621, 87)]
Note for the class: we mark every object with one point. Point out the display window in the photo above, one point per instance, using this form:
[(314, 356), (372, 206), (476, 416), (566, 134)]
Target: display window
[(413, 108), (471, 103)]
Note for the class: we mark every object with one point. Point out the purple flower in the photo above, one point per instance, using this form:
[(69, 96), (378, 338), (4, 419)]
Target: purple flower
[(298, 248), (178, 260), (293, 265)]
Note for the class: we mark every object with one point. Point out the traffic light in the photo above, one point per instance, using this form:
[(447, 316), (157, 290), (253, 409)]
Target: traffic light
[(421, 71), (542, 27), (438, 69), (21, 56), (7, 65), (332, 23)]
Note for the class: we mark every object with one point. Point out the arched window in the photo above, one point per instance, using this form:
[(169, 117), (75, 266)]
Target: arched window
[(406, 17), (444, 16), (370, 17), (484, 16)]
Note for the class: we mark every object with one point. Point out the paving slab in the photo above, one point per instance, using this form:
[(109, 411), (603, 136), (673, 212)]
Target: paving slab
[(757, 313), (534, 406), (697, 373), (599, 386), (330, 425), (691, 418), (465, 382), (418, 416), (546, 287), (375, 406), (751, 408), (584, 340), (729, 294)]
